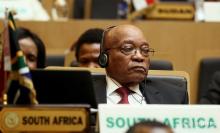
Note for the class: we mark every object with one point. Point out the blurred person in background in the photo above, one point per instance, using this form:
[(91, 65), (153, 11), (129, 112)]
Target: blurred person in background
[(87, 48), (32, 47), (34, 52)]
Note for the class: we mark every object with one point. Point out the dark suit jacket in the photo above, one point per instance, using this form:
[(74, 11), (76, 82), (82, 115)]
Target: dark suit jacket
[(213, 94), (154, 91)]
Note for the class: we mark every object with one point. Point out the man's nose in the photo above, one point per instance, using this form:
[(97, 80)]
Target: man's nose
[(138, 56)]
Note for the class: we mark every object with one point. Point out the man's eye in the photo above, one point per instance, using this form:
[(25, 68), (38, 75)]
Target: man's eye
[(127, 48), (31, 58), (145, 48)]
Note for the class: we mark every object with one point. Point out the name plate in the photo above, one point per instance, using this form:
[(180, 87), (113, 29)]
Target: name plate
[(181, 118), (172, 11), (45, 118)]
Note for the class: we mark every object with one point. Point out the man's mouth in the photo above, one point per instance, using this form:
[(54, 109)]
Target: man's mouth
[(139, 69)]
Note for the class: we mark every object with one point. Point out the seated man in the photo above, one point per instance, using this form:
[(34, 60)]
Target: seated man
[(87, 48), (125, 54), (34, 51), (213, 94), (149, 127)]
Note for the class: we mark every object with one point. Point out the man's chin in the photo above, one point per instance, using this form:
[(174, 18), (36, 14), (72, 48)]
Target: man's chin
[(137, 78)]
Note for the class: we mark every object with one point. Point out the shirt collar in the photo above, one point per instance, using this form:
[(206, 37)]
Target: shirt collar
[(112, 85)]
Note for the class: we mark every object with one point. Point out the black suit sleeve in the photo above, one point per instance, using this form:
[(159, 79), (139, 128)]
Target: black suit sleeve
[(174, 92), (213, 94), (165, 91)]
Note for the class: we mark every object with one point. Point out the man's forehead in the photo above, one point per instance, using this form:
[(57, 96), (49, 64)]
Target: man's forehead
[(120, 33), (135, 42), (126, 33)]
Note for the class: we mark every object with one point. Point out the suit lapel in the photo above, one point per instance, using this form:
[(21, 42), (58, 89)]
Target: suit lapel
[(151, 94)]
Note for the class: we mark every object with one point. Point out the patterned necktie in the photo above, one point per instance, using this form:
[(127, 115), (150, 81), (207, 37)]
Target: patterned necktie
[(123, 92)]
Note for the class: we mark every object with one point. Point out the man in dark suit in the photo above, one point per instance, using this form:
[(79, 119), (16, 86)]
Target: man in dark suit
[(125, 54), (213, 94)]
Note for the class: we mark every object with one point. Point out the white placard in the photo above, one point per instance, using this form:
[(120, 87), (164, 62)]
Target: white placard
[(212, 11), (182, 118), (25, 9), (139, 4)]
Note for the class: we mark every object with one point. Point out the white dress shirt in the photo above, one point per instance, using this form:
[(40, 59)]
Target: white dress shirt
[(113, 97)]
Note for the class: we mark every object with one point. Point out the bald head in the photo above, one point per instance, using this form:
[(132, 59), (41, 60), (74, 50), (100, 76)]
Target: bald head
[(113, 35), (149, 127)]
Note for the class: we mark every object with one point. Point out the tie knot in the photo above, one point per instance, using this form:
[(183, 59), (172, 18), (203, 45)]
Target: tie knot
[(123, 92)]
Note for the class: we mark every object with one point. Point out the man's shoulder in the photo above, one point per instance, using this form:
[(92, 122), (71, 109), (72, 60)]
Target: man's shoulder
[(170, 92), (165, 85)]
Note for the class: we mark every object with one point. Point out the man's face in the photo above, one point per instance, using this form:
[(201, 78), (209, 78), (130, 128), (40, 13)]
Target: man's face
[(30, 52), (128, 69), (88, 55)]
